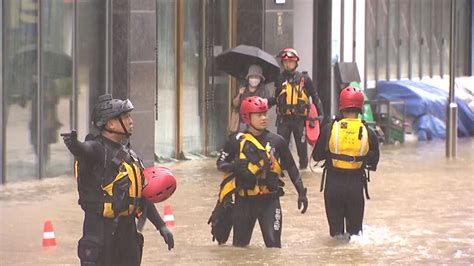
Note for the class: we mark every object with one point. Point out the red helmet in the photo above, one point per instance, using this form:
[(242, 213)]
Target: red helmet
[(289, 54), (160, 185), (351, 97), (253, 104)]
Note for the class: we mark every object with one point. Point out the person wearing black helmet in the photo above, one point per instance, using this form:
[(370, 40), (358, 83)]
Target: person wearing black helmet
[(292, 98), (110, 181), (348, 148)]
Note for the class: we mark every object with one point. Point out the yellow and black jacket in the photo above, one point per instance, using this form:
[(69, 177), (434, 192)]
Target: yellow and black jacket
[(348, 143), (348, 147), (292, 97), (261, 163), (292, 94), (110, 179)]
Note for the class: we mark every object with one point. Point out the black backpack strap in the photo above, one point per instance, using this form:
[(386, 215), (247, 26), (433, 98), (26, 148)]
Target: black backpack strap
[(323, 177), (366, 179), (346, 158)]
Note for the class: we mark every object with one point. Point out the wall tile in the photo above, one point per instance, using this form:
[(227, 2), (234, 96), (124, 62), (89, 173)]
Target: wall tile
[(142, 85), (142, 36), (143, 4), (143, 136), (120, 39)]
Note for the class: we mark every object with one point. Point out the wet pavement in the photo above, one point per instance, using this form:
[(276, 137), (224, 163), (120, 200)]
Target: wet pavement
[(421, 211)]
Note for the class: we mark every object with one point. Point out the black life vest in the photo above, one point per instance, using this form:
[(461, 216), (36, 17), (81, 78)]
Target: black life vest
[(293, 99), (262, 163), (118, 195)]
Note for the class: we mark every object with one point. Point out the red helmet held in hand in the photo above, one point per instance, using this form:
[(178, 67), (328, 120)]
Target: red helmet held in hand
[(289, 54), (160, 185), (253, 104), (351, 97)]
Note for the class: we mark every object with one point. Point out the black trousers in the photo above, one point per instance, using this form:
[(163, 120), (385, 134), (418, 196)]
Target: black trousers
[(344, 202), (110, 242), (296, 125), (266, 209)]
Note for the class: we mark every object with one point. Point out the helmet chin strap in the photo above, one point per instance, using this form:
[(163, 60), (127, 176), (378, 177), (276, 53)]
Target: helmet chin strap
[(124, 133), (124, 128)]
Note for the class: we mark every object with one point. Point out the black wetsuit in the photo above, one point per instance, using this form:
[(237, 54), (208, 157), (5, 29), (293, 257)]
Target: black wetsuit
[(286, 124), (264, 208), (344, 189), (106, 241)]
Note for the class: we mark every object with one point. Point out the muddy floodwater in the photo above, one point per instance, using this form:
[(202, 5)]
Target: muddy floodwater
[(421, 211)]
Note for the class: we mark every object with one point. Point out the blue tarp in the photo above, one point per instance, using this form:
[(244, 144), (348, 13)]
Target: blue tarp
[(427, 105)]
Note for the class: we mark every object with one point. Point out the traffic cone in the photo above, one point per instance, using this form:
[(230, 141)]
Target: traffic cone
[(168, 217), (49, 240)]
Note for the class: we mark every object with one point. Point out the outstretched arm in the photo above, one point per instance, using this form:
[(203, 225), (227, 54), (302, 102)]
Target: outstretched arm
[(77, 148)]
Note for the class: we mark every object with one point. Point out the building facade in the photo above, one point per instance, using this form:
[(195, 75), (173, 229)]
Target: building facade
[(58, 56)]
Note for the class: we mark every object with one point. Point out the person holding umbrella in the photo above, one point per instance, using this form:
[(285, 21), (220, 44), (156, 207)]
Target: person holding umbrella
[(253, 65), (292, 94), (254, 86)]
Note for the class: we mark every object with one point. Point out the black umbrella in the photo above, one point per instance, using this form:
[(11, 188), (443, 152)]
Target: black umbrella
[(23, 68), (236, 62), (56, 64)]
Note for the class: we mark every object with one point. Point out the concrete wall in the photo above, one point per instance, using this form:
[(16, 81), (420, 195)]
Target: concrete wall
[(134, 68), (303, 33)]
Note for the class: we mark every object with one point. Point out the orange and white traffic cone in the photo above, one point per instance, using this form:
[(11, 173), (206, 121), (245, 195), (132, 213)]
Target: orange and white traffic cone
[(49, 240), (168, 218)]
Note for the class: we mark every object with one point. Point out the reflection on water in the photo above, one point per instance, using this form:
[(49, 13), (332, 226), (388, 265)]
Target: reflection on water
[(421, 210)]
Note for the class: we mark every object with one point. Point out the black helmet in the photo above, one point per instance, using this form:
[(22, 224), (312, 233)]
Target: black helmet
[(108, 108)]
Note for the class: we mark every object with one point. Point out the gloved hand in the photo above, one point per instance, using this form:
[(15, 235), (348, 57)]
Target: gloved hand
[(167, 236), (302, 200), (69, 138)]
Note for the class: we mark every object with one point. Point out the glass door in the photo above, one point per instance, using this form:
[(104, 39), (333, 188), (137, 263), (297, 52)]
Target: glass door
[(192, 113), (217, 103), (54, 108), (20, 83), (166, 91)]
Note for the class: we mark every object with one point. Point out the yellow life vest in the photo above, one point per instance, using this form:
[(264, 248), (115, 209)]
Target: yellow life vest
[(121, 196), (228, 184), (348, 143), (292, 99)]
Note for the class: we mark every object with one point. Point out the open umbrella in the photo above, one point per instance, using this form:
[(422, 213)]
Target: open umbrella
[(23, 68), (236, 62), (56, 64)]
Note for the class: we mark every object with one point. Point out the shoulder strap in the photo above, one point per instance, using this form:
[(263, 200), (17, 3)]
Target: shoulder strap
[(301, 82), (253, 140)]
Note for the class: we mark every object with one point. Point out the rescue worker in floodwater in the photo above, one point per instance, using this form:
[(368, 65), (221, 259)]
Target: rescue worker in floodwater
[(293, 91), (256, 157), (349, 148), (109, 181)]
